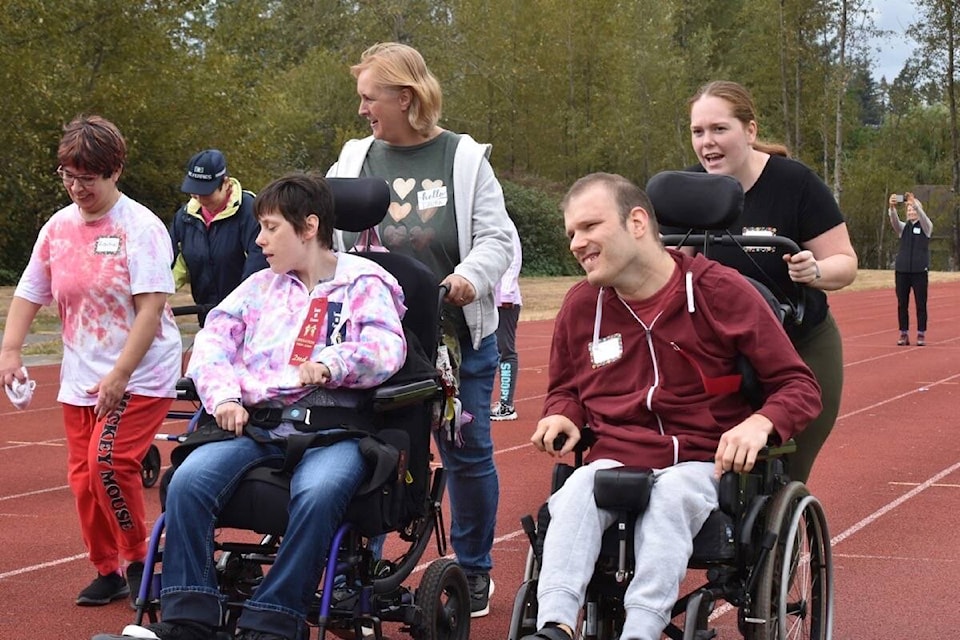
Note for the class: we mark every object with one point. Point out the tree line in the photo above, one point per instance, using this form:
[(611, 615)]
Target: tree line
[(559, 88)]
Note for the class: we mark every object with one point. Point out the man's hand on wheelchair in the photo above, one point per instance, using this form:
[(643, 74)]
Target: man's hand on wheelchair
[(740, 445), (231, 416), (549, 428)]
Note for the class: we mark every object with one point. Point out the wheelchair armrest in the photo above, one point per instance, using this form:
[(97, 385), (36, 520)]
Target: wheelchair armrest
[(777, 450), (587, 439), (395, 396), (187, 389), (729, 493), (623, 488), (561, 471)]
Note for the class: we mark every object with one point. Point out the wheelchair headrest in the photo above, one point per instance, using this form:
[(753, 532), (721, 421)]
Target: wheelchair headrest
[(359, 203), (691, 200)]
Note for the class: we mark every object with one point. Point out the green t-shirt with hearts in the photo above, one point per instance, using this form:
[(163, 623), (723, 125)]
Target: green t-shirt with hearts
[(421, 221)]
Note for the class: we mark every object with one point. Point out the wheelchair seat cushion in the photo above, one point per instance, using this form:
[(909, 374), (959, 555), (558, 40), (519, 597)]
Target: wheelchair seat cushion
[(259, 502), (715, 542)]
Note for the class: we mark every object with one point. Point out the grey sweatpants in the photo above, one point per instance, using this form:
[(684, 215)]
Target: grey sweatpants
[(681, 500)]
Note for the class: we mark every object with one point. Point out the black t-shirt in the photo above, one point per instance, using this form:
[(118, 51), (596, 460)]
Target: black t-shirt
[(790, 200)]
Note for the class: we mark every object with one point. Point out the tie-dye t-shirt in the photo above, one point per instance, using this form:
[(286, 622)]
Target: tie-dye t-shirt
[(92, 270), (244, 349)]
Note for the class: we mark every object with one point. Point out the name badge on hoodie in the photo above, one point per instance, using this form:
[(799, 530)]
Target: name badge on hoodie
[(309, 332), (606, 350)]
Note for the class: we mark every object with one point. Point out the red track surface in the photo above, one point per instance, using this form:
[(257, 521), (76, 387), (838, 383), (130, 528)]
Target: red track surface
[(889, 479)]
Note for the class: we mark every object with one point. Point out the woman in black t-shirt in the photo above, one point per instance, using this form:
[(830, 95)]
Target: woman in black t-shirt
[(786, 198)]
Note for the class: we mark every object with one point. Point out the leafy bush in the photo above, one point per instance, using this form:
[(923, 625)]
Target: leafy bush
[(540, 225), (9, 277)]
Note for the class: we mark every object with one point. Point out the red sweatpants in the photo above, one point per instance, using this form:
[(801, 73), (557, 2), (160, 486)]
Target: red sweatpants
[(103, 470)]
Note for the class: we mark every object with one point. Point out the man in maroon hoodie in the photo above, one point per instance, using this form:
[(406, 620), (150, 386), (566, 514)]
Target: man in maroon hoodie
[(644, 352)]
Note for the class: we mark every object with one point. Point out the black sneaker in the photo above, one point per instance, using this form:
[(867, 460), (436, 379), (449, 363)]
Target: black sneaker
[(103, 590), (481, 588), (163, 631), (134, 578)]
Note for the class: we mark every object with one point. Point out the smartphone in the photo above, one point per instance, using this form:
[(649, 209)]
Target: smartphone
[(898, 197)]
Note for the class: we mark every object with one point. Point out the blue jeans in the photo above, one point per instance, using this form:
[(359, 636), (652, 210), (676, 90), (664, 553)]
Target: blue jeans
[(322, 486), (471, 475)]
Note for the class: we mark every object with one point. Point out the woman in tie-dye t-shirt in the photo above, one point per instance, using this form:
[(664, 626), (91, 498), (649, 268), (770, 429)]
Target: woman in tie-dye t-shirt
[(105, 261)]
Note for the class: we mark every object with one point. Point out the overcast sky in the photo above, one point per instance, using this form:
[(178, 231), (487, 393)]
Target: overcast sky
[(890, 53)]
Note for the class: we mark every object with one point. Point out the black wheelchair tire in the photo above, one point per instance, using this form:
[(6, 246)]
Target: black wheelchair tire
[(523, 622), (444, 598), (794, 599), (150, 467)]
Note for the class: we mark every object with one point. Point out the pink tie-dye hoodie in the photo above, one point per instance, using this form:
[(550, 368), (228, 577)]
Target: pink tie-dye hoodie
[(244, 349)]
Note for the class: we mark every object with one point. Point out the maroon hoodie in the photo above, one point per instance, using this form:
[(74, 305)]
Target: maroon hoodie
[(663, 400)]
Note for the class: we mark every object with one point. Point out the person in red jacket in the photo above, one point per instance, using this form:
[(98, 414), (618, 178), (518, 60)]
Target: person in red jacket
[(652, 370)]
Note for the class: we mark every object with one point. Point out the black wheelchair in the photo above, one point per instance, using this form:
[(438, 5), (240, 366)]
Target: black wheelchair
[(765, 551), (359, 591)]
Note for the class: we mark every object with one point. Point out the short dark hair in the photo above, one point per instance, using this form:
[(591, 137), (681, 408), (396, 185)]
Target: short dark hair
[(94, 144), (296, 196), (626, 194)]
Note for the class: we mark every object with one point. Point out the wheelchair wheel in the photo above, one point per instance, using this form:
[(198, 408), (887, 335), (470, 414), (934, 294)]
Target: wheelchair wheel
[(523, 622), (444, 599), (794, 597), (150, 467)]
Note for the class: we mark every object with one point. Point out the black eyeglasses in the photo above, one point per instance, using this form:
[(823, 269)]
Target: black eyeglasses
[(69, 179)]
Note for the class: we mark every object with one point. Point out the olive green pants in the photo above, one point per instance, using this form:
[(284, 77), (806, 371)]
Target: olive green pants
[(822, 350)]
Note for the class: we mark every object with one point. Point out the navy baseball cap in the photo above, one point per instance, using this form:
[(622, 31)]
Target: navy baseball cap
[(205, 173)]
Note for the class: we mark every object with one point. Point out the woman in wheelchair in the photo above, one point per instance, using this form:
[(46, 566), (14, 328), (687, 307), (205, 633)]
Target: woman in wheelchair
[(653, 372), (312, 330)]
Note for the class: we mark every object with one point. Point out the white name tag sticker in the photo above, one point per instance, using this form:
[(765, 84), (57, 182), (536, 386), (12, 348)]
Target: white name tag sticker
[(606, 350), (432, 198), (107, 245), (916, 231)]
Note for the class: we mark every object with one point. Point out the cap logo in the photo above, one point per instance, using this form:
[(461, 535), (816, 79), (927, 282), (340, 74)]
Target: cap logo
[(198, 173)]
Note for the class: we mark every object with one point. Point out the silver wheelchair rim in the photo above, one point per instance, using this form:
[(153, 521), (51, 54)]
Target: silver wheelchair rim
[(803, 573)]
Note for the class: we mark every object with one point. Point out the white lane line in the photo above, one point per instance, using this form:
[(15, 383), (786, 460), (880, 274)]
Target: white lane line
[(899, 397), (34, 493), (863, 556), (496, 541), (937, 484), (44, 565), (893, 505), (20, 444)]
